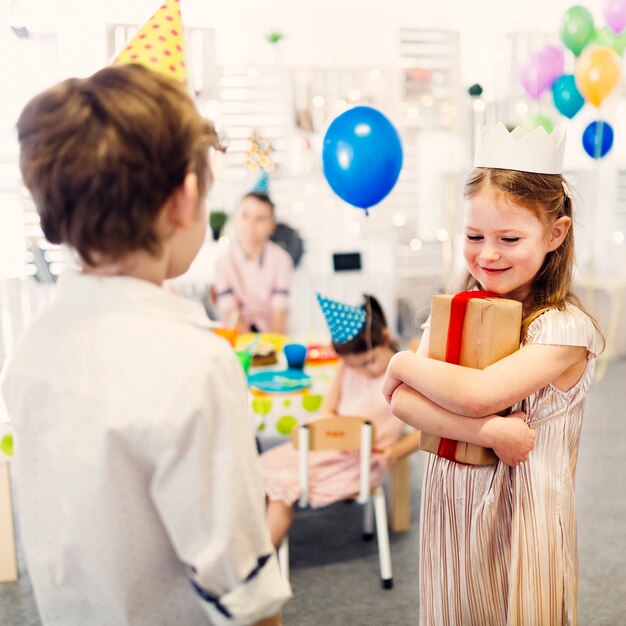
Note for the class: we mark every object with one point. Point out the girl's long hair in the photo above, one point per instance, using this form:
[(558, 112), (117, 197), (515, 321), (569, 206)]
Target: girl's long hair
[(547, 196)]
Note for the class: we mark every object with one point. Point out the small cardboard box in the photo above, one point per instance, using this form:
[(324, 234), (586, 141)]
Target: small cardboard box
[(491, 331)]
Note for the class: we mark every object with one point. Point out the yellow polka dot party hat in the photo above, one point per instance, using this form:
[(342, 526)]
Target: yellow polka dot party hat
[(159, 43)]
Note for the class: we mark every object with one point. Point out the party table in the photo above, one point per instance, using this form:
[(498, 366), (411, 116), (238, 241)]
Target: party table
[(277, 411), (280, 397)]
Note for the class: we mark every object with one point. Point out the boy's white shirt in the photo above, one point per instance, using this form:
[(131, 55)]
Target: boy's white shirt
[(136, 466)]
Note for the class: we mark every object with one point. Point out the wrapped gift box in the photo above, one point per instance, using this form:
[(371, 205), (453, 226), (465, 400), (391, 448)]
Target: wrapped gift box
[(490, 331)]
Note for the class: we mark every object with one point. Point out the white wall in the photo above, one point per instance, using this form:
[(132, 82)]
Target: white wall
[(317, 33), (321, 32)]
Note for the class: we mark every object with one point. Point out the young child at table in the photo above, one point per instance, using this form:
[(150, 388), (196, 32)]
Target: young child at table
[(361, 338), (253, 276), (498, 542), (139, 492)]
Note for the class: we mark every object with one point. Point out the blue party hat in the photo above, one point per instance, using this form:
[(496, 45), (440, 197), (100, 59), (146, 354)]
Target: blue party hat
[(344, 321), (262, 185)]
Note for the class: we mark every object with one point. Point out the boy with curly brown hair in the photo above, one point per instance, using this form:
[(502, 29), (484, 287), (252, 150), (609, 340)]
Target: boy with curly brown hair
[(138, 485)]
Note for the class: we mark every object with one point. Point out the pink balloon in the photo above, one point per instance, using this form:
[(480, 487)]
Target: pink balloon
[(614, 12), (553, 56), (541, 70)]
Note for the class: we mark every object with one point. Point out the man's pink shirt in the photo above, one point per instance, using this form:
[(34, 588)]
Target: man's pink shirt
[(257, 287)]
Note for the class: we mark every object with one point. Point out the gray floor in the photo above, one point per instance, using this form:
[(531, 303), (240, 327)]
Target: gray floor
[(335, 575)]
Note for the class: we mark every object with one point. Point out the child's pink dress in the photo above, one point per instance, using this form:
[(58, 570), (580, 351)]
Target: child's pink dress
[(333, 474), (498, 544)]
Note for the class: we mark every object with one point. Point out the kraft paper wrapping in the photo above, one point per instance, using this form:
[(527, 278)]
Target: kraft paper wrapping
[(491, 331)]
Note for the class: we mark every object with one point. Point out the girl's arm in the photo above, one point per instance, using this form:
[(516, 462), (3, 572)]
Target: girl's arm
[(331, 399), (476, 393), (510, 438), (407, 444)]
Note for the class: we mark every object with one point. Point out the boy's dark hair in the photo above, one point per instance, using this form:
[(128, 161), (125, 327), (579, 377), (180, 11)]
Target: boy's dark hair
[(261, 197), (373, 334), (101, 156)]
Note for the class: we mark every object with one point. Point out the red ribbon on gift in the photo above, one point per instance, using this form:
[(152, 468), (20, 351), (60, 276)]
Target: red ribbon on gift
[(458, 306)]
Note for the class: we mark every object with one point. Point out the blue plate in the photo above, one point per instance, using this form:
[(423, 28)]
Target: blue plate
[(283, 381)]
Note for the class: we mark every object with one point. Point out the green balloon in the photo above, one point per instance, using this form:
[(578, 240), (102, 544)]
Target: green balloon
[(607, 38), (539, 120), (577, 28)]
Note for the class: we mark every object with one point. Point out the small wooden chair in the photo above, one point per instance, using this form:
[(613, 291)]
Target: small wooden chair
[(345, 433)]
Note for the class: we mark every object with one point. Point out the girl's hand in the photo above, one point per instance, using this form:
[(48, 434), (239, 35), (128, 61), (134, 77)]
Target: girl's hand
[(390, 456), (511, 438)]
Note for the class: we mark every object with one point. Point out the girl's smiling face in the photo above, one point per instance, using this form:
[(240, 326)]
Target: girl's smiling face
[(506, 243)]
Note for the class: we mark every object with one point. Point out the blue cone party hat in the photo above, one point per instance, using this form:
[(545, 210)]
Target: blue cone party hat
[(262, 185), (344, 320)]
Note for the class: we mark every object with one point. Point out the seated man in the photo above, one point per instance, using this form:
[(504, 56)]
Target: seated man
[(253, 275)]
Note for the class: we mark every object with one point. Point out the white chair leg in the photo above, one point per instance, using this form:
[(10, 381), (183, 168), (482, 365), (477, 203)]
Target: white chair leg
[(382, 534), (283, 558), (368, 520)]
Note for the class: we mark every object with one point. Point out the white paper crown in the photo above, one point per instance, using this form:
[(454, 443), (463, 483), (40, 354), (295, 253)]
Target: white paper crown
[(522, 150)]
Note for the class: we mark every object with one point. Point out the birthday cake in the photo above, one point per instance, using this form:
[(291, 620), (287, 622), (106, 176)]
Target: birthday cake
[(264, 354)]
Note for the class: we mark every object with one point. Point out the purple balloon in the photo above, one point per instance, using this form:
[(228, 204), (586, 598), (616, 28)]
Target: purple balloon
[(554, 57), (614, 12), (541, 70)]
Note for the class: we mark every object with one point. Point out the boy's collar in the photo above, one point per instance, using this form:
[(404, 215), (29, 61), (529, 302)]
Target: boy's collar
[(127, 292)]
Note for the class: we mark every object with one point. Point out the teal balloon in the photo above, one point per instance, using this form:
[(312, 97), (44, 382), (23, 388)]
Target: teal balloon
[(598, 139), (577, 28), (567, 99)]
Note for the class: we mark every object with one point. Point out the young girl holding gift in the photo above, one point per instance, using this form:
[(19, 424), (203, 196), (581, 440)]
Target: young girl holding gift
[(361, 338), (498, 542)]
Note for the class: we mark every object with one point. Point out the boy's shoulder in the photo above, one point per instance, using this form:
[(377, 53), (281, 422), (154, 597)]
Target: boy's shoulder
[(119, 345), (119, 314)]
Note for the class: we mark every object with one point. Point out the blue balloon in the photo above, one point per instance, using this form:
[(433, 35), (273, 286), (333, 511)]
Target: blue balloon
[(598, 139), (362, 156), (567, 99)]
